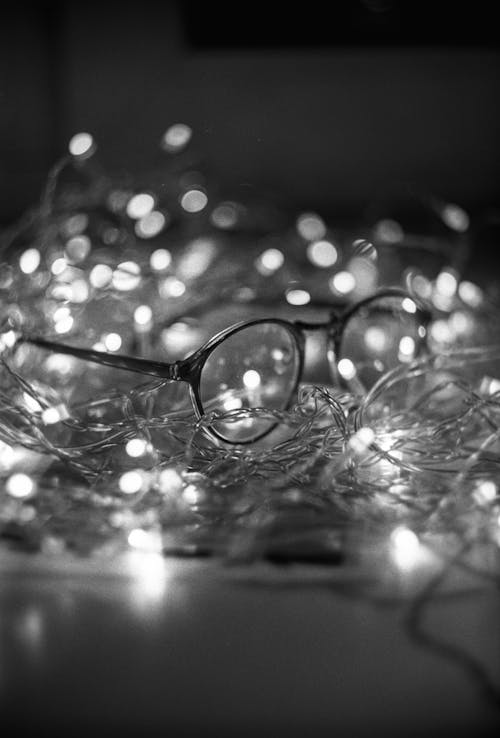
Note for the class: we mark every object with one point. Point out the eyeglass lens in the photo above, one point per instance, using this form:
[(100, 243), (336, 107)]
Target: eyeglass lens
[(256, 366)]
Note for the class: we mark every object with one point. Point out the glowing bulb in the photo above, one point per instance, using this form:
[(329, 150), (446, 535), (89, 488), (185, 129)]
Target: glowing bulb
[(322, 254), (143, 316), (172, 287), (126, 276), (131, 482), (405, 546), (100, 276), (140, 205), (269, 261), (193, 201), (144, 540), (251, 379), (485, 492), (311, 227), (81, 145), (64, 325), (470, 293), (343, 283), (409, 306), (406, 348), (170, 481), (346, 369), (77, 248), (176, 137), (388, 231), (29, 261), (7, 340), (58, 266), (112, 341), (20, 486), (298, 297), (160, 260), (150, 225), (441, 332), (225, 215), (232, 403), (55, 414), (375, 338), (360, 442), (136, 447), (446, 284), (31, 403), (455, 218)]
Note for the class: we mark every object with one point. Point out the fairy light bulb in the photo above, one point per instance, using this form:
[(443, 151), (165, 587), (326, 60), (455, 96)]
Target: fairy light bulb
[(405, 547), (170, 481), (311, 227), (140, 205), (136, 447), (29, 261), (81, 145), (346, 369), (176, 137), (143, 316), (160, 260), (343, 282), (131, 482), (100, 276), (251, 379), (194, 201), (322, 254), (112, 342), (298, 297), (269, 261), (20, 486)]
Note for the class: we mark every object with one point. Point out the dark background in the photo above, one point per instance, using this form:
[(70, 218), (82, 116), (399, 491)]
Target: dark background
[(322, 103)]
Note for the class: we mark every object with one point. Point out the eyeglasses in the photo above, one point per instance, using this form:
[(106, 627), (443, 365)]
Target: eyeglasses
[(258, 363)]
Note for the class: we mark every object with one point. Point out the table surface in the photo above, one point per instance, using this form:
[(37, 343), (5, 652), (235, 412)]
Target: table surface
[(141, 645)]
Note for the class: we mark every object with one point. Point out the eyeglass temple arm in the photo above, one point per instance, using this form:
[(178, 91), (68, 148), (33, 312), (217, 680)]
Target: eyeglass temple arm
[(118, 361)]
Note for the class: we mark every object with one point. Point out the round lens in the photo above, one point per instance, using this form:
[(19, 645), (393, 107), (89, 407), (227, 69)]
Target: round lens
[(256, 366), (380, 335)]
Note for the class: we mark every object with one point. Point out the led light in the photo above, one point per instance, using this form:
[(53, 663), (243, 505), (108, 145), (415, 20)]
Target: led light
[(176, 137), (251, 379), (485, 492), (170, 481), (232, 403), (29, 261), (409, 306), (322, 254), (31, 403), (360, 442), (406, 547), (160, 260), (446, 284), (131, 482), (172, 287), (77, 248), (343, 283), (346, 369), (136, 447), (81, 145), (388, 231), (311, 227), (140, 205), (64, 325), (376, 339), (470, 293), (100, 276), (20, 486), (127, 276), (455, 218), (143, 316), (150, 225), (269, 261), (298, 297), (58, 266), (7, 340), (193, 495), (225, 215), (406, 347), (193, 201), (112, 341), (55, 414)]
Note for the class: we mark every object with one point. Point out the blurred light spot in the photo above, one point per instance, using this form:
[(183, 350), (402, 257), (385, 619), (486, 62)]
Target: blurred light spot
[(485, 492), (405, 547), (446, 283), (364, 273), (376, 339), (178, 338), (171, 287), (343, 283), (461, 323), (81, 145), (20, 486), (193, 201), (140, 205), (455, 218), (470, 293), (409, 306), (441, 332), (225, 215), (231, 403), (31, 403), (160, 260), (7, 340), (64, 324), (127, 276), (55, 414), (79, 291), (364, 248), (298, 297), (419, 284), (60, 364), (112, 341), (100, 276), (136, 447), (311, 227), (251, 379), (406, 348), (322, 254), (29, 261), (269, 261), (143, 315), (77, 248), (170, 481), (176, 137), (58, 266), (196, 258), (388, 231), (360, 442), (489, 386), (346, 369), (150, 225), (131, 482)]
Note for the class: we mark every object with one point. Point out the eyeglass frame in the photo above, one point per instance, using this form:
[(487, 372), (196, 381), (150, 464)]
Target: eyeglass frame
[(189, 370)]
